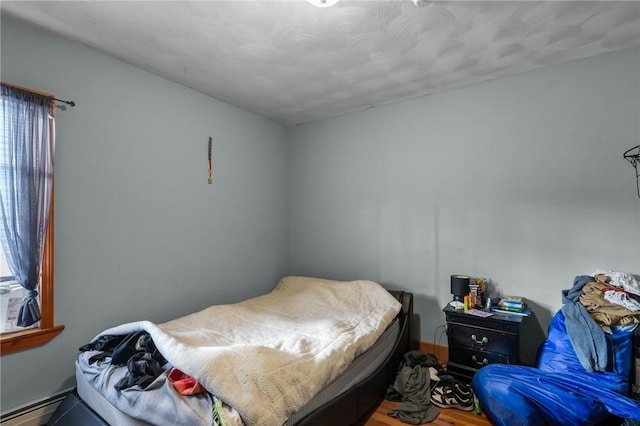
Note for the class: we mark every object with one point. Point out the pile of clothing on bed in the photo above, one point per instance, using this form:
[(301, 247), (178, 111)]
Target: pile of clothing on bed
[(130, 369), (583, 367)]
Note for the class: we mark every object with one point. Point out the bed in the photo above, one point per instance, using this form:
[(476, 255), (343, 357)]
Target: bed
[(310, 352)]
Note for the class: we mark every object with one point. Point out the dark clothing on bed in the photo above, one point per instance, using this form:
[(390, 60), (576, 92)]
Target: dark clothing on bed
[(143, 369), (105, 343), (136, 350)]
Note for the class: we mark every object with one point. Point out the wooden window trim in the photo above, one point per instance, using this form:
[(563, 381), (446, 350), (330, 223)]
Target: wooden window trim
[(21, 340), (31, 338)]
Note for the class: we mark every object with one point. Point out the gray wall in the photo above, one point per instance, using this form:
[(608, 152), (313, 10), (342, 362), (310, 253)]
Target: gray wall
[(139, 232), (520, 180)]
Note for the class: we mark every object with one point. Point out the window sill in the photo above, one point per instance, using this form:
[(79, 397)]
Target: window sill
[(28, 339)]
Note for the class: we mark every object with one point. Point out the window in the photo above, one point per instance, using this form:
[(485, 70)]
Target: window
[(11, 295), (4, 268), (44, 330)]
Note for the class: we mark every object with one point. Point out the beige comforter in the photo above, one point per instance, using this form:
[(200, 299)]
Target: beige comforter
[(268, 356)]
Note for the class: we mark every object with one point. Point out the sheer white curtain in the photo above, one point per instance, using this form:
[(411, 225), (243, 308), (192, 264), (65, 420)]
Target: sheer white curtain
[(26, 178)]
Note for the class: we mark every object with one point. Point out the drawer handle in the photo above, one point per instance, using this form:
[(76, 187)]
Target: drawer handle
[(483, 341), (484, 360)]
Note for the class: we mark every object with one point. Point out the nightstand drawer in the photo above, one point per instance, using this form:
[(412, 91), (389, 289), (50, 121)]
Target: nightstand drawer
[(477, 359), (475, 341), (482, 339)]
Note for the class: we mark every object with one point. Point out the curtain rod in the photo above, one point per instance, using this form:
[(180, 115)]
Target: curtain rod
[(38, 92), (70, 103)]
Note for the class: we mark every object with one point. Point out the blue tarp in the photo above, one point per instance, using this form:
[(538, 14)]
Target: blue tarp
[(514, 395), (559, 391), (558, 356)]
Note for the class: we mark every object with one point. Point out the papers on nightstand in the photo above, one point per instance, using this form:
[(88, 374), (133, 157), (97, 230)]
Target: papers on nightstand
[(479, 313)]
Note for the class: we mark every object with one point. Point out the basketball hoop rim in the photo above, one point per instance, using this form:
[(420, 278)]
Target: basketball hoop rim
[(632, 157)]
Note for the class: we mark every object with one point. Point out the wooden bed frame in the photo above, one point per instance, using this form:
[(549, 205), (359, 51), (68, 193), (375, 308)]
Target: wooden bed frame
[(352, 407)]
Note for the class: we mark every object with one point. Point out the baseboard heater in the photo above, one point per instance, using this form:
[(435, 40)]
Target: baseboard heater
[(35, 414)]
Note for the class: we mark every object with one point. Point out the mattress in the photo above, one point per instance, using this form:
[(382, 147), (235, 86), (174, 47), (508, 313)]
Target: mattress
[(361, 368)]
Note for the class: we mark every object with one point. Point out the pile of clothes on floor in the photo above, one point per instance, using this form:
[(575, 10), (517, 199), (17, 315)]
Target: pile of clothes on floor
[(422, 387), (583, 368)]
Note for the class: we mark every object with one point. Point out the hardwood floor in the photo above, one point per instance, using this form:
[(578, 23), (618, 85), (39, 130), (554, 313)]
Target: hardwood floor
[(447, 417)]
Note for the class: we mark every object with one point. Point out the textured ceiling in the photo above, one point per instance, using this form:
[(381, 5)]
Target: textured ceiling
[(294, 63)]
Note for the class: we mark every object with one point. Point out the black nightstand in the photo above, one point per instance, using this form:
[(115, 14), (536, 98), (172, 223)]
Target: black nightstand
[(476, 341)]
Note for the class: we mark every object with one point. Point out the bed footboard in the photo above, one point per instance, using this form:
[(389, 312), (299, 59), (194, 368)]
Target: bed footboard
[(356, 405)]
